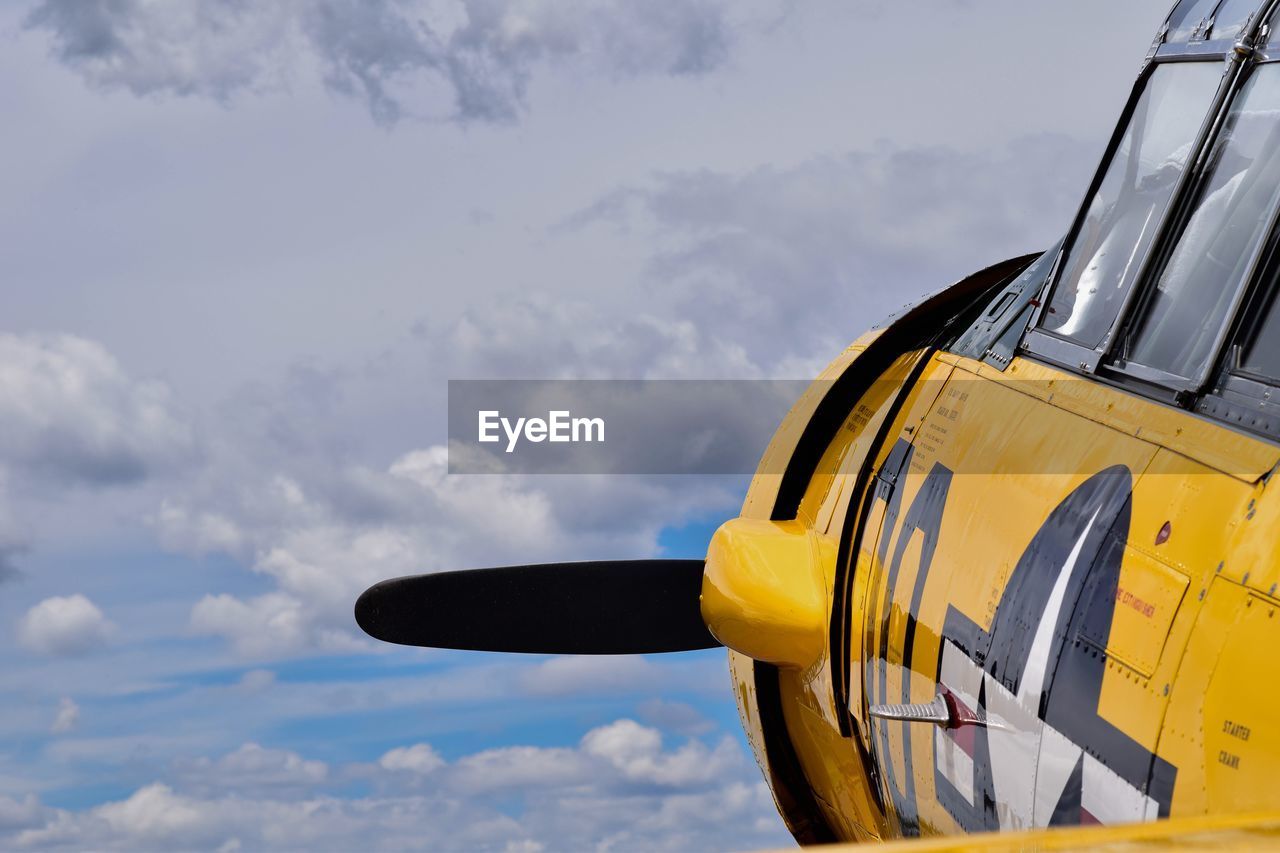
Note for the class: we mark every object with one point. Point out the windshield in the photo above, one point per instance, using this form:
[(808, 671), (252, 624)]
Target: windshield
[(1124, 213), (1194, 295)]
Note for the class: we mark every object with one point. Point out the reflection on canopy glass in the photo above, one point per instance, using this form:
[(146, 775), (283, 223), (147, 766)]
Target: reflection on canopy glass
[(1125, 212), (1187, 17), (1231, 217), (1231, 17)]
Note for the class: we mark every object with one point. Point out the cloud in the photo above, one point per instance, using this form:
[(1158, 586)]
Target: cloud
[(419, 758), (256, 681), (141, 746), (622, 755), (75, 424), (197, 532), (155, 814), (470, 60), (618, 788), (72, 416), (64, 625), (22, 814), (524, 846), (636, 751), (274, 624), (250, 769), (520, 767), (211, 48), (766, 272), (848, 238), (576, 675), (675, 716), (67, 717), (547, 336)]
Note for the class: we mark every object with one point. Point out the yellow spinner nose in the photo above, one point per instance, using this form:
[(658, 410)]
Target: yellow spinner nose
[(762, 592)]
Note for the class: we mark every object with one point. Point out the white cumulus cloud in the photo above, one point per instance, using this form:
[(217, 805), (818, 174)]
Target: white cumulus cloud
[(618, 788), (637, 752), (72, 414), (64, 625), (419, 758), (155, 814)]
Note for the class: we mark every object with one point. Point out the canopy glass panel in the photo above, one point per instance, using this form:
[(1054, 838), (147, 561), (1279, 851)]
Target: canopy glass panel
[(1123, 215), (1193, 298)]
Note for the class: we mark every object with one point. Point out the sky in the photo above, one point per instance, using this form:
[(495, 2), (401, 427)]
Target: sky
[(243, 248)]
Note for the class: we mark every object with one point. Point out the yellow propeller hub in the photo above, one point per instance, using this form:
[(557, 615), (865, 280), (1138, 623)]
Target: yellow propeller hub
[(762, 592)]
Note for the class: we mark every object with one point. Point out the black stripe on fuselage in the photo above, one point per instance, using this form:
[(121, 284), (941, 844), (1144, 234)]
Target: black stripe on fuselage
[(925, 515)]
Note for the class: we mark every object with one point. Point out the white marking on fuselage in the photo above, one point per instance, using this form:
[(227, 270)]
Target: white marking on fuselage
[(1031, 762), (1058, 759), (1111, 799), (955, 763), (1033, 674), (1015, 748)]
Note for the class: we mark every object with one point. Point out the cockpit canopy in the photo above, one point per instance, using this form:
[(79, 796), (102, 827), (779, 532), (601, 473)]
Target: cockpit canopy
[(1167, 279)]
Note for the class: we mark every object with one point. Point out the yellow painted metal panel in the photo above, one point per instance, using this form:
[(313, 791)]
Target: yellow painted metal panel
[(1182, 736), (1250, 553), (1147, 599), (1221, 448), (839, 782), (1200, 510), (1150, 627), (1241, 723)]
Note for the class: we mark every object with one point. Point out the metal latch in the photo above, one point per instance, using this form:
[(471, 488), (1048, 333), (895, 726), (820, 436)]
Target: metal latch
[(945, 711)]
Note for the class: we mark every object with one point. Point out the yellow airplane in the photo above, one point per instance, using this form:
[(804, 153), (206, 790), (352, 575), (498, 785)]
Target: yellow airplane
[(1011, 564)]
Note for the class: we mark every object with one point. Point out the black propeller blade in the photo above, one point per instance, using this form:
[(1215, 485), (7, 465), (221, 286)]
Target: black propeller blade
[(589, 608)]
